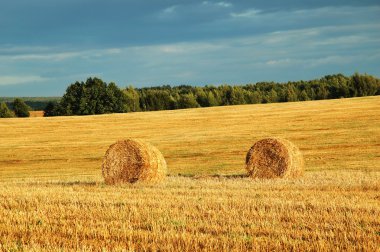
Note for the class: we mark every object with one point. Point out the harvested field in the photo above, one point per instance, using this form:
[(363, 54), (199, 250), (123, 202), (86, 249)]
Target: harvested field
[(38, 113), (53, 196), (331, 134), (323, 211)]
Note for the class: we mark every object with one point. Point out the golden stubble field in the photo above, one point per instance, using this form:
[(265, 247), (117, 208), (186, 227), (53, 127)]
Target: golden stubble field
[(52, 196)]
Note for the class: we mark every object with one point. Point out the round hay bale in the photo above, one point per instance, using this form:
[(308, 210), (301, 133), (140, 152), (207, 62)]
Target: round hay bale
[(274, 158), (130, 160)]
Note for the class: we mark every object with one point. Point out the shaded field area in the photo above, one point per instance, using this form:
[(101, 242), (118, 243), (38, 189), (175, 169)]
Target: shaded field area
[(52, 195), (332, 134)]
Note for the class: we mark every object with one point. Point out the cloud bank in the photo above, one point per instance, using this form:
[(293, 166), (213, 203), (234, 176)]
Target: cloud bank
[(46, 47)]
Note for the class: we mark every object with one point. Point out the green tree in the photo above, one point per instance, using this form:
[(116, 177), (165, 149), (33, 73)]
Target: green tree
[(303, 96), (211, 100), (20, 108), (237, 96), (322, 92), (52, 109), (116, 101), (93, 97), (254, 97), (337, 86), (187, 101), (272, 96), (5, 112), (364, 85), (156, 99), (225, 93), (94, 100), (132, 99), (290, 94), (72, 99), (201, 97)]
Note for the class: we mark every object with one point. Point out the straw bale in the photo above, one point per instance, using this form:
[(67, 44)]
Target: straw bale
[(273, 158), (131, 160)]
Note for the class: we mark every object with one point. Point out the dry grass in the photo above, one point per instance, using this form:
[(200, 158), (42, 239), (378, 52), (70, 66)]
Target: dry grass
[(332, 134), (52, 195), (324, 211), (38, 113)]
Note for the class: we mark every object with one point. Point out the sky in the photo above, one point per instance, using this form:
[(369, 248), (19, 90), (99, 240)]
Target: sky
[(45, 45)]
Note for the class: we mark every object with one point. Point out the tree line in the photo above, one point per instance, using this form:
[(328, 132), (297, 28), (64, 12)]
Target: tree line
[(35, 103), (97, 97), (19, 109), (94, 96)]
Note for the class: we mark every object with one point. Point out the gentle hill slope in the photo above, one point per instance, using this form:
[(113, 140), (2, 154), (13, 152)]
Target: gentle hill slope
[(334, 207), (333, 135)]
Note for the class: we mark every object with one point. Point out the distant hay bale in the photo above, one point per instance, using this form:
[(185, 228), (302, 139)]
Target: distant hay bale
[(130, 160), (273, 158)]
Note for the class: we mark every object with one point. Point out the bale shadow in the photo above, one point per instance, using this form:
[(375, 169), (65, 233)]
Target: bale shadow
[(79, 183), (68, 183), (214, 176)]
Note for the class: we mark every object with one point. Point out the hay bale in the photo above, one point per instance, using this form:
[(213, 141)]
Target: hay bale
[(130, 160), (273, 158)]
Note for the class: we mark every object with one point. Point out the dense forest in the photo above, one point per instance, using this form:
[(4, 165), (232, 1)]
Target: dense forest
[(97, 97)]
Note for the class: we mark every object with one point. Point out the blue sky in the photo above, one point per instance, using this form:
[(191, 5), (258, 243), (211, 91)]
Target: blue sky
[(45, 45)]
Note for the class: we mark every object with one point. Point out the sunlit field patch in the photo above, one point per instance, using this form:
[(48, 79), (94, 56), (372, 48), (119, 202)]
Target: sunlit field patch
[(53, 196)]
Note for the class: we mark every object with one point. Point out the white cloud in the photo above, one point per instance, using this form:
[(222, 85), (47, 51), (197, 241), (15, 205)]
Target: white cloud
[(113, 51), (246, 14), (269, 55), (278, 62), (331, 60), (224, 4), (272, 56), (343, 35), (54, 54), (13, 80), (170, 10), (21, 49), (334, 12), (171, 49), (312, 17), (184, 48)]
